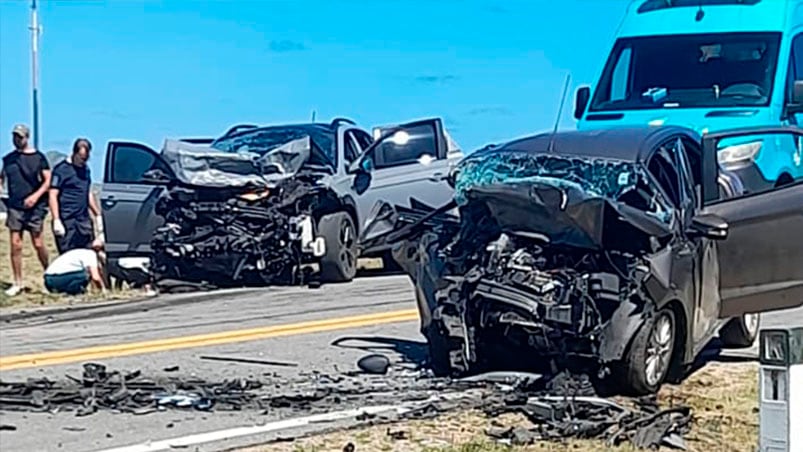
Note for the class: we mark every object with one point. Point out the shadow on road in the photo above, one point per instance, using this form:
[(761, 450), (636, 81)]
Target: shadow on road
[(409, 352), (713, 353)]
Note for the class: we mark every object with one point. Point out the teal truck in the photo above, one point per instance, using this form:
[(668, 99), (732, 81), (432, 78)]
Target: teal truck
[(708, 65)]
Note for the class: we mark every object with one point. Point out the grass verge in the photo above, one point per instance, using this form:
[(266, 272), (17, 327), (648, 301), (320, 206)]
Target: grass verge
[(723, 396), (35, 293)]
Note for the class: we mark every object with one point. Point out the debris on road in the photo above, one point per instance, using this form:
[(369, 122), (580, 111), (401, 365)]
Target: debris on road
[(374, 364), (171, 369), (248, 361), (8, 427), (560, 418), (558, 408), (126, 392)]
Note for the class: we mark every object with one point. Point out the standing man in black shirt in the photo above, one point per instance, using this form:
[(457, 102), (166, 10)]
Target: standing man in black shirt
[(71, 200), (28, 175)]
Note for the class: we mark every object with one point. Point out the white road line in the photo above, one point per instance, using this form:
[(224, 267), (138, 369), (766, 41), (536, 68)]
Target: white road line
[(219, 435), (192, 440)]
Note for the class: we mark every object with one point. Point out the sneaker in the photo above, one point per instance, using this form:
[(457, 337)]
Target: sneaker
[(13, 290)]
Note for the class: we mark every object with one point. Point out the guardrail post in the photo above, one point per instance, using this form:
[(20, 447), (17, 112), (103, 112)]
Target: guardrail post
[(780, 390)]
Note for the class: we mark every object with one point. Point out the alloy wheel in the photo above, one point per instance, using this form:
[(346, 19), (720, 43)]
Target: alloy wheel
[(347, 240), (659, 349)]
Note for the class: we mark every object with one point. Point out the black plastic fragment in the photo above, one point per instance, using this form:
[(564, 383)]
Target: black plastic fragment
[(374, 364)]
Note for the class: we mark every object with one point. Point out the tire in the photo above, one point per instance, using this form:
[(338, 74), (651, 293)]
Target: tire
[(339, 264), (740, 332), (649, 359)]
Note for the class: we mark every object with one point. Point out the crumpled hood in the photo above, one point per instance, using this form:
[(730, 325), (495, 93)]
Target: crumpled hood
[(199, 165), (572, 201)]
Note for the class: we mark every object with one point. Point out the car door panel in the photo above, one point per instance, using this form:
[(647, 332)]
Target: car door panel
[(416, 167), (128, 199), (761, 260), (425, 183)]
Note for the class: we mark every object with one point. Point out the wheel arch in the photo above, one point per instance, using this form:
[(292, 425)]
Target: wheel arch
[(683, 349)]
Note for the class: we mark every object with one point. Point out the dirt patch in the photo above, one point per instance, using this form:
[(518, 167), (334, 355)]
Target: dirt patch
[(723, 396)]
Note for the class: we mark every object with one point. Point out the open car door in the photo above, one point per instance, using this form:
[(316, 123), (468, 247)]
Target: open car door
[(134, 178), (761, 259), (406, 161)]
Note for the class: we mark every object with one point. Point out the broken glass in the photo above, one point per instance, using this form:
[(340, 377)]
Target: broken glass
[(600, 178), (596, 178)]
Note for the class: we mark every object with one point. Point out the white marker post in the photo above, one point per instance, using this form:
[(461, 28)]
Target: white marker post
[(781, 390)]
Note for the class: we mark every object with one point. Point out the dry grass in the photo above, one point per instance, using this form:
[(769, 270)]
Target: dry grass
[(723, 397), (35, 293)]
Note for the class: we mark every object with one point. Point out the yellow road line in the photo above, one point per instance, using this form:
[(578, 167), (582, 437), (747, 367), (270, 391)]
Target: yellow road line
[(202, 340)]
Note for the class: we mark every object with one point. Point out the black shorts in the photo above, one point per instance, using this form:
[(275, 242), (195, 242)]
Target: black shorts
[(26, 220), (78, 234)]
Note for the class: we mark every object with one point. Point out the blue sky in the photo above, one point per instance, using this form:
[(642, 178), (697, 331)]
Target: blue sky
[(145, 70)]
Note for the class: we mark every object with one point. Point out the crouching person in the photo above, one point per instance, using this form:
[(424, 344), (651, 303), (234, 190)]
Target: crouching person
[(72, 272)]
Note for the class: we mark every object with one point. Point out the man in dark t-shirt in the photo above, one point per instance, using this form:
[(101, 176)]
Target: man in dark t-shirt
[(71, 200), (28, 176)]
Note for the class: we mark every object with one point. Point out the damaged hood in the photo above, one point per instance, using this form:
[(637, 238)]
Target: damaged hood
[(199, 165), (570, 200)]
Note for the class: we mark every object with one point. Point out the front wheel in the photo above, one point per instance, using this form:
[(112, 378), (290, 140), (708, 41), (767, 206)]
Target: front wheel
[(649, 359), (339, 263)]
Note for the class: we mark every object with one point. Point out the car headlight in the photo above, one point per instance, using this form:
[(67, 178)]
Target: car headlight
[(739, 153)]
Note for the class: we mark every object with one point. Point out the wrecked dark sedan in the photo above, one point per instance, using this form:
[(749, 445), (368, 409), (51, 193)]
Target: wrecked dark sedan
[(258, 204), (618, 253)]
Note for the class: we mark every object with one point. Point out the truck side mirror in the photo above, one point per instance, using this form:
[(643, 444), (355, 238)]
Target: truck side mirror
[(796, 104), (581, 99)]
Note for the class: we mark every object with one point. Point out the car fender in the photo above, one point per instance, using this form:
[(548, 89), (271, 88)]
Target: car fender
[(620, 330)]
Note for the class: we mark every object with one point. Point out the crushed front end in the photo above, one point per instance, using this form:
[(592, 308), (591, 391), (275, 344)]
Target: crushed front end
[(237, 219), (550, 261), (226, 236)]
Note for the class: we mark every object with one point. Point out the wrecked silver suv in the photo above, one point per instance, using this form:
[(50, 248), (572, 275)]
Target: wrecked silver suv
[(617, 253), (258, 204)]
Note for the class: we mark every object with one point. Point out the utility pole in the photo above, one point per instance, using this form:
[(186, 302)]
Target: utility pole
[(35, 30)]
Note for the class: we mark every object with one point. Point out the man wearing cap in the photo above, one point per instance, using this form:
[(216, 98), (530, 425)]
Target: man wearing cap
[(71, 200), (27, 173)]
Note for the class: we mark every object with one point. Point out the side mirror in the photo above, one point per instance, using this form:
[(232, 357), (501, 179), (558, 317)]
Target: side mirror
[(796, 104), (708, 226), (581, 99), (362, 181)]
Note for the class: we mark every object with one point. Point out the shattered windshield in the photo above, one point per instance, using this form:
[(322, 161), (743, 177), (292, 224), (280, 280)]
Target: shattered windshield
[(688, 71), (260, 141), (605, 178)]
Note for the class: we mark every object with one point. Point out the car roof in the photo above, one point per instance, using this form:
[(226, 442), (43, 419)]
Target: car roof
[(626, 143)]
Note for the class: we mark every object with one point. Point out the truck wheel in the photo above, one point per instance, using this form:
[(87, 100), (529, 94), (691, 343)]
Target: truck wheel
[(648, 361), (740, 332), (339, 264)]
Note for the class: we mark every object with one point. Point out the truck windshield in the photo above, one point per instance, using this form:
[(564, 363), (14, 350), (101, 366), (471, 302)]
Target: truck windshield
[(689, 71)]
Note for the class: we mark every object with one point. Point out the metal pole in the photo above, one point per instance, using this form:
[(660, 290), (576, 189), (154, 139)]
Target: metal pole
[(35, 71)]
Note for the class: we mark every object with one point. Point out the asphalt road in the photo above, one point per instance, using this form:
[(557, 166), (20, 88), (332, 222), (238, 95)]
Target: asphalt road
[(326, 329)]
